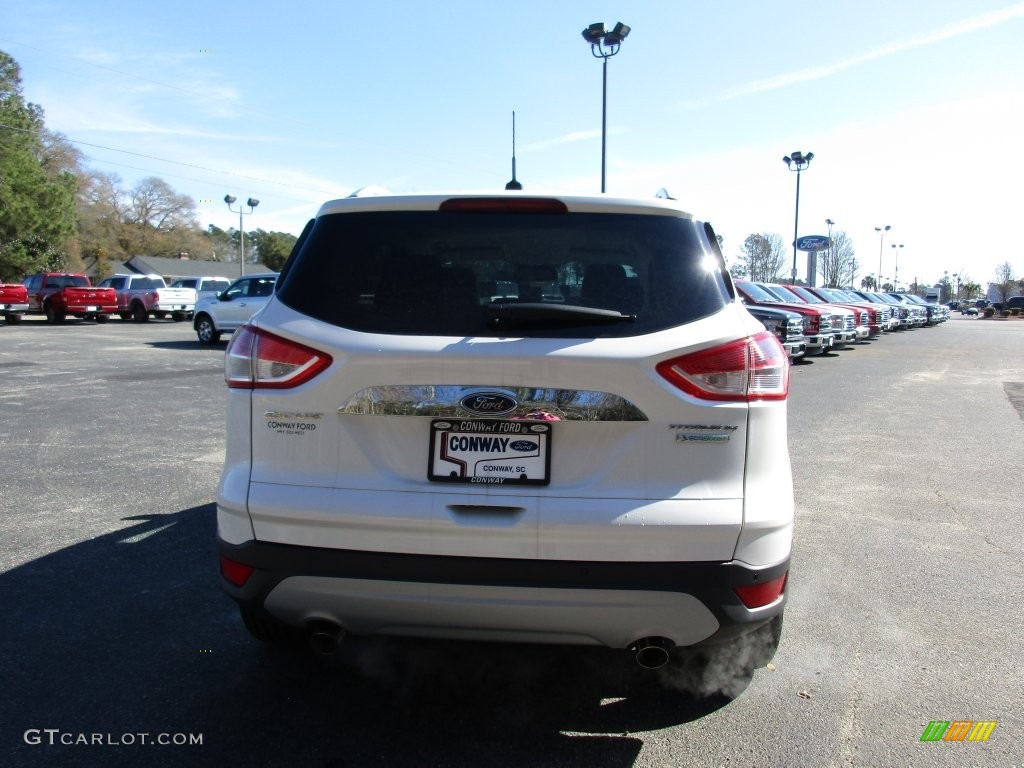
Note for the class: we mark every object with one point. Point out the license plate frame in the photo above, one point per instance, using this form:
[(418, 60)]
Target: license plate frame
[(482, 452)]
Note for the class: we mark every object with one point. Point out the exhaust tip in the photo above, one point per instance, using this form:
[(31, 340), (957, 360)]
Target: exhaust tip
[(325, 637), (652, 652)]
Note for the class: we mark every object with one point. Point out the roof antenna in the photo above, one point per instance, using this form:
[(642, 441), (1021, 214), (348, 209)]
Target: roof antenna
[(513, 184)]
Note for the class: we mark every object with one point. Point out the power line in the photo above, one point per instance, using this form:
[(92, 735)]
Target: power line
[(177, 162), (109, 69), (287, 117)]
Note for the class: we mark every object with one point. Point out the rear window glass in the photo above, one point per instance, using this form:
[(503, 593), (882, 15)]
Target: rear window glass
[(146, 283), (449, 273), (67, 281)]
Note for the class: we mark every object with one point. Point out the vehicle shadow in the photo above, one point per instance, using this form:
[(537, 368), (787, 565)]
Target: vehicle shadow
[(129, 633), (189, 345)]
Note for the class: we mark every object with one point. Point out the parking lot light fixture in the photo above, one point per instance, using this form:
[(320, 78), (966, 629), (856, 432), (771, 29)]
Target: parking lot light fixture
[(604, 45), (896, 265), (252, 203), (831, 252), (797, 161), (881, 239)]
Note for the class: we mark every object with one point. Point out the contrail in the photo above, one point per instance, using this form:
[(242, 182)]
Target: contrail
[(964, 27)]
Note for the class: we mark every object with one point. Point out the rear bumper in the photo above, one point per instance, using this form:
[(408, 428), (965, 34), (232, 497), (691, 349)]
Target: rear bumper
[(174, 306), (586, 603), (91, 309)]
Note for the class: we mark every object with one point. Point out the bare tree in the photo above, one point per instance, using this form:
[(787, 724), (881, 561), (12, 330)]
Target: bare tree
[(763, 257), (1005, 281), (154, 203), (157, 219), (838, 264)]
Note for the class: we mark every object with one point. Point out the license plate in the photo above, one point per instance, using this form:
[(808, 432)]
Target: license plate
[(485, 452), (91, 309)]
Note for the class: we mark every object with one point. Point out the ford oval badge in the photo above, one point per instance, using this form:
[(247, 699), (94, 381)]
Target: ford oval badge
[(813, 243), (489, 403)]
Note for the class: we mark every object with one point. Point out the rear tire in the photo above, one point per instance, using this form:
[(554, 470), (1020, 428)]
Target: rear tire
[(52, 315), (139, 314), (12, 319), (102, 318)]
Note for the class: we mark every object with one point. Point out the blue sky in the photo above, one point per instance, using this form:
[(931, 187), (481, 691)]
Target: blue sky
[(914, 110)]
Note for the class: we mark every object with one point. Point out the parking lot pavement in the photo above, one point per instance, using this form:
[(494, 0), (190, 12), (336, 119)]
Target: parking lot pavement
[(902, 600)]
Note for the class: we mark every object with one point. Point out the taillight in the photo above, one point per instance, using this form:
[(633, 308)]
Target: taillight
[(754, 368), (256, 359), (765, 593), (236, 573)]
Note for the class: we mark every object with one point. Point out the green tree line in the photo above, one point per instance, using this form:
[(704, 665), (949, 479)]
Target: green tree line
[(57, 214)]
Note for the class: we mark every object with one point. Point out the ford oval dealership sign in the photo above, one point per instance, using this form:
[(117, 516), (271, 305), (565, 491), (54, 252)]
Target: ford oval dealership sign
[(813, 243)]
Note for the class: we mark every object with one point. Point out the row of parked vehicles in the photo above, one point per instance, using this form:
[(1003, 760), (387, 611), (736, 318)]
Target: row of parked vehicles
[(811, 321), (215, 305)]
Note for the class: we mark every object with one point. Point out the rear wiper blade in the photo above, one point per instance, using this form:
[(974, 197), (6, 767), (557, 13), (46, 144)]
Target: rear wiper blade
[(540, 314)]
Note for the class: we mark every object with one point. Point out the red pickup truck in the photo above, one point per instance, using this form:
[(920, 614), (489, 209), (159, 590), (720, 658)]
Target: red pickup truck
[(59, 294), (13, 302)]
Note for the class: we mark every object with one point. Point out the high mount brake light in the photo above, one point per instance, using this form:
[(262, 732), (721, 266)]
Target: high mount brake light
[(750, 369), (504, 205), (256, 359)]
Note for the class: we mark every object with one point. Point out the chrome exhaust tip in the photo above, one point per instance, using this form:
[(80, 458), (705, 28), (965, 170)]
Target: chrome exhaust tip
[(325, 637), (652, 652)]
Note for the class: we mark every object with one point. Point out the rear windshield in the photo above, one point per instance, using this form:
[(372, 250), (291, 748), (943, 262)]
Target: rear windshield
[(450, 273), (67, 281), (146, 283), (214, 285)]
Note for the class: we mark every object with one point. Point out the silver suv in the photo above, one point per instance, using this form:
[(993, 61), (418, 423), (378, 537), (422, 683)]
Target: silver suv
[(595, 454), (226, 311)]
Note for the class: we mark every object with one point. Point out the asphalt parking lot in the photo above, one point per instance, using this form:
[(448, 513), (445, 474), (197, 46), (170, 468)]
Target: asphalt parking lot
[(904, 596)]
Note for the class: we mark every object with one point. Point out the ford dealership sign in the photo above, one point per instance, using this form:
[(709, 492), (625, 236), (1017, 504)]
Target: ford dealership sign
[(813, 243)]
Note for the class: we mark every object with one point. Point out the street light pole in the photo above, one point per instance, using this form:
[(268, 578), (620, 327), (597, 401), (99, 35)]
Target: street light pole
[(831, 253), (896, 267), (252, 203), (881, 239), (797, 161), (604, 45)]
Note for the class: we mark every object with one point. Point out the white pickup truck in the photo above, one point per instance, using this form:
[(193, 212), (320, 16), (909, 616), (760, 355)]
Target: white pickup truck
[(206, 286), (140, 297)]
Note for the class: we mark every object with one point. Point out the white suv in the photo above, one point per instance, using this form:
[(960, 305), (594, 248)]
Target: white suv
[(598, 457)]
